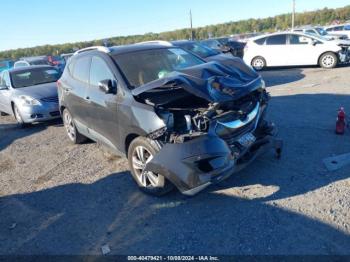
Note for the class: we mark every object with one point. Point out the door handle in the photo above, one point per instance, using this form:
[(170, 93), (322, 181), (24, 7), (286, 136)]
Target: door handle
[(67, 89), (87, 98)]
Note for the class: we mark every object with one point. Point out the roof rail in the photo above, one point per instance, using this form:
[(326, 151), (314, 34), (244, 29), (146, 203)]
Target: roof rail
[(99, 48), (156, 42)]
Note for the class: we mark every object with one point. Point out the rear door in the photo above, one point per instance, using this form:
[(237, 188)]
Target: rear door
[(102, 108), (275, 50), (75, 91)]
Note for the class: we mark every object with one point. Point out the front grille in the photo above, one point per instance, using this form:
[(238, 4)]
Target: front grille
[(53, 99), (231, 138)]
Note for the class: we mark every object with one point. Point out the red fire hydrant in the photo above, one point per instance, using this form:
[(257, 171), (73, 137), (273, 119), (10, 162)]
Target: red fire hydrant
[(340, 124)]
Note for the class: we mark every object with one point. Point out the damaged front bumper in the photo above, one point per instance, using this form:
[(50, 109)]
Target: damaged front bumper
[(193, 165)]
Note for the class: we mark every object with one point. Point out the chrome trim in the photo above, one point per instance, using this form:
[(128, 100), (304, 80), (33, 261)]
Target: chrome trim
[(239, 123)]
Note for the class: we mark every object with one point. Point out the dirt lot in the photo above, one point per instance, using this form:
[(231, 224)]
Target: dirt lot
[(57, 198)]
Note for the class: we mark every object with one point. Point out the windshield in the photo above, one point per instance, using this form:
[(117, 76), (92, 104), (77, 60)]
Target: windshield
[(34, 76), (200, 50), (321, 31), (142, 67)]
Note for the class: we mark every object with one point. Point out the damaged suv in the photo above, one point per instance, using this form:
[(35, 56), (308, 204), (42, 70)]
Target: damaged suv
[(180, 121)]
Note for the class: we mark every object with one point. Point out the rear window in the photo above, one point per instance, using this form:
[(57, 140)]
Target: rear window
[(276, 40), (260, 41)]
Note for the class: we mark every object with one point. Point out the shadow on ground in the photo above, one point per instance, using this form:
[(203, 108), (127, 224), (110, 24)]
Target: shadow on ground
[(79, 219), (280, 76), (10, 132)]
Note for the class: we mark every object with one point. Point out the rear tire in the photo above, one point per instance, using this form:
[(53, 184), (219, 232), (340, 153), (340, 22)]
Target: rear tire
[(328, 60), (140, 152), (258, 63), (73, 134), (3, 114)]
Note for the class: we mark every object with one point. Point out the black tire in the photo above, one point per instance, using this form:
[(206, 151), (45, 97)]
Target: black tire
[(18, 116), (156, 186), (258, 63), (328, 60), (3, 114), (73, 134)]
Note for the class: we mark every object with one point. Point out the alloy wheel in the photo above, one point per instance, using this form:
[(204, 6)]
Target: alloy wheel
[(140, 157), (18, 115), (69, 125)]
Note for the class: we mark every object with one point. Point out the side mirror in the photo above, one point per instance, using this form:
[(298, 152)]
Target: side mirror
[(108, 86), (313, 42)]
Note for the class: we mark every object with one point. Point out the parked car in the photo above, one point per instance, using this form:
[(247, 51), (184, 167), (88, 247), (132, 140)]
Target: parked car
[(339, 29), (180, 121), (293, 49), (57, 61), (198, 49), (225, 45), (5, 65), (319, 31), (216, 45), (66, 56), (35, 60), (29, 93), (236, 47)]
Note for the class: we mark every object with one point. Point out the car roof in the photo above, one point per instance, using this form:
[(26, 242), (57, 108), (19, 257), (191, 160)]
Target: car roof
[(25, 68), (179, 42), (280, 33), (331, 26), (117, 50)]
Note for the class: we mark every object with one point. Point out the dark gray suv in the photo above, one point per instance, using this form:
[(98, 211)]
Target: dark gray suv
[(180, 121)]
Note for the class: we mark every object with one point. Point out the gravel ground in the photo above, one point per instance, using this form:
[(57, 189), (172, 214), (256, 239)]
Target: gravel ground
[(58, 198)]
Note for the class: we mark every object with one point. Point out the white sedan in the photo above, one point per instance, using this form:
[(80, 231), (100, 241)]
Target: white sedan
[(293, 49)]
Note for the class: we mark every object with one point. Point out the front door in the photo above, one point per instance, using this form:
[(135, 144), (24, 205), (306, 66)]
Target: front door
[(303, 50), (102, 110)]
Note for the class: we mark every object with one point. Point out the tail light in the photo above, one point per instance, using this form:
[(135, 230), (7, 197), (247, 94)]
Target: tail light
[(59, 84)]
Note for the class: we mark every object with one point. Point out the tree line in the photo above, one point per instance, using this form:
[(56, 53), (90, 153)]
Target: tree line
[(270, 24)]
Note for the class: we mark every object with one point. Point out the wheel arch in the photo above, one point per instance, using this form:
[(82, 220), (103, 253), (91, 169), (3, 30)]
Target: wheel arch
[(319, 57)]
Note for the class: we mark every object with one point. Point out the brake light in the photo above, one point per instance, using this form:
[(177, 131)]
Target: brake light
[(58, 83)]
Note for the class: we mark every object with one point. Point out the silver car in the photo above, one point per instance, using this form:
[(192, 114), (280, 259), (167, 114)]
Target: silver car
[(29, 93)]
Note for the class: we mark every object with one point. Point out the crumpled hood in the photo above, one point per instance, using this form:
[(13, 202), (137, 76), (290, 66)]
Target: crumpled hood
[(214, 82), (38, 91)]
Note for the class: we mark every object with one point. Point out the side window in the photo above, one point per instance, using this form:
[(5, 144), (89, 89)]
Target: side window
[(6, 78), (338, 28), (347, 27), (81, 69), (260, 41), (276, 40), (329, 29), (99, 71), (2, 82), (310, 31), (299, 40)]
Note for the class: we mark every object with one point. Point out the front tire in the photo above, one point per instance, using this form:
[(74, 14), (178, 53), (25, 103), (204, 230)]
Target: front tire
[(73, 134), (141, 151), (258, 63), (18, 116), (328, 60)]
